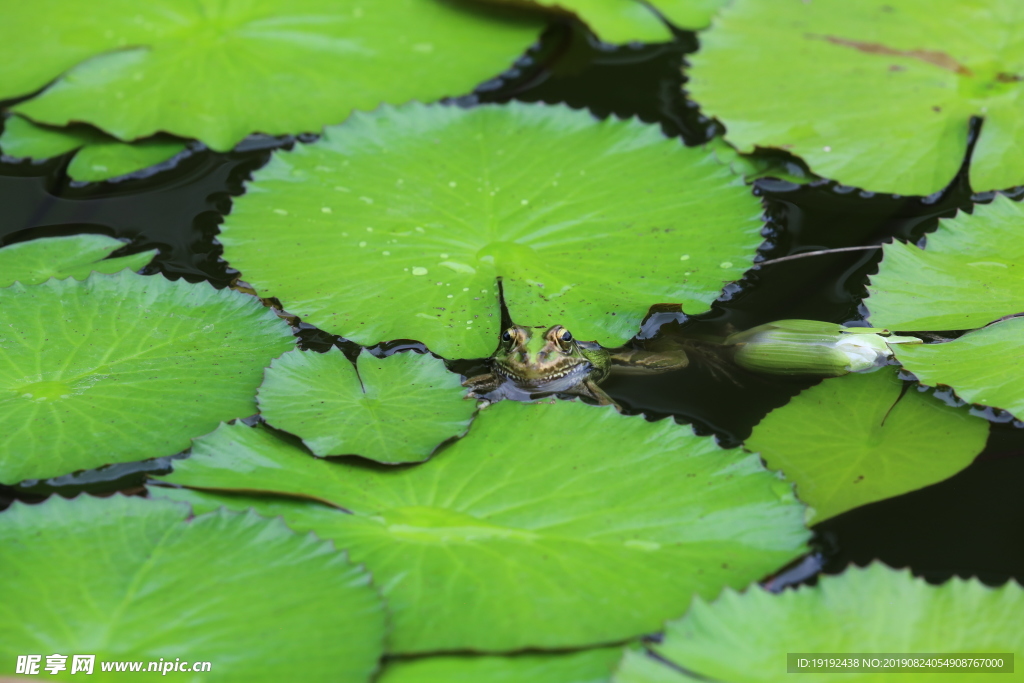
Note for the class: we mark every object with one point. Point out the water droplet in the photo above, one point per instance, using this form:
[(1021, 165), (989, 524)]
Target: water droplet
[(344, 234), (465, 289), (99, 167), (425, 48), (684, 257), (362, 244), (369, 230), (367, 200), (339, 188), (280, 212), (325, 209), (451, 184), (827, 148), (458, 267), (726, 264), (444, 255), (419, 271), (419, 229), (688, 273), (525, 202), (386, 253), (449, 296)]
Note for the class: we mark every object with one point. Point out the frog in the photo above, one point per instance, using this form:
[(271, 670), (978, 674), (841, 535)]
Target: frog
[(539, 361)]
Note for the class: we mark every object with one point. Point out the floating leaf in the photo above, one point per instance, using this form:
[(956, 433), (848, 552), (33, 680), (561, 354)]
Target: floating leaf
[(23, 139), (588, 223), (587, 666), (984, 367), (123, 367), (872, 93), (218, 72), (970, 273), (871, 610), (548, 526), (623, 21), (853, 440), (394, 409), (131, 579), (76, 256), (640, 667), (100, 156)]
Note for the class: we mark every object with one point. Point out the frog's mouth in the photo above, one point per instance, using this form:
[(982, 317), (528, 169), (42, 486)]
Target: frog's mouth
[(555, 379)]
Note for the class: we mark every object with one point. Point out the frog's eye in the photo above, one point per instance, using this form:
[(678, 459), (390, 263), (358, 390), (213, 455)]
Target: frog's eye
[(506, 336), (566, 336)]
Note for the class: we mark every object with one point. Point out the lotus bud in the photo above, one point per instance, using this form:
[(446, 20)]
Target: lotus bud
[(810, 347)]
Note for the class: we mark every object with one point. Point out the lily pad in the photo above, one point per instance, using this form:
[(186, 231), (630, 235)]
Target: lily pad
[(586, 666), (623, 21), (75, 256), (548, 526), (149, 584), (218, 72), (394, 409), (853, 440), (870, 610), (970, 273), (985, 366), (588, 223), (124, 367), (883, 92), (99, 157)]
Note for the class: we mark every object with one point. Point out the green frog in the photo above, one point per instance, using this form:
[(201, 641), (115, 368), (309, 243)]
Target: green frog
[(531, 362)]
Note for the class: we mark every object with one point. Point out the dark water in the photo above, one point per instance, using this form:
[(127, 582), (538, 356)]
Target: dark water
[(971, 524)]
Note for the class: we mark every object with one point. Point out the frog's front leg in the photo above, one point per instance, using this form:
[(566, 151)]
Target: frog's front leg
[(482, 384), (588, 388)]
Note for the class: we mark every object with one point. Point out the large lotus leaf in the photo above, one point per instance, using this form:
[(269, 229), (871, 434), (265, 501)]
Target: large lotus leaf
[(131, 579), (587, 222), (858, 438), (75, 256), (100, 156), (970, 273), (123, 367), (219, 71), (746, 637), (622, 21), (586, 666), (394, 409), (985, 366), (548, 526), (873, 93)]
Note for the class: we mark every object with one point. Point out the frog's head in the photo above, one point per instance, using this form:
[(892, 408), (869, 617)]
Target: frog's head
[(551, 360)]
